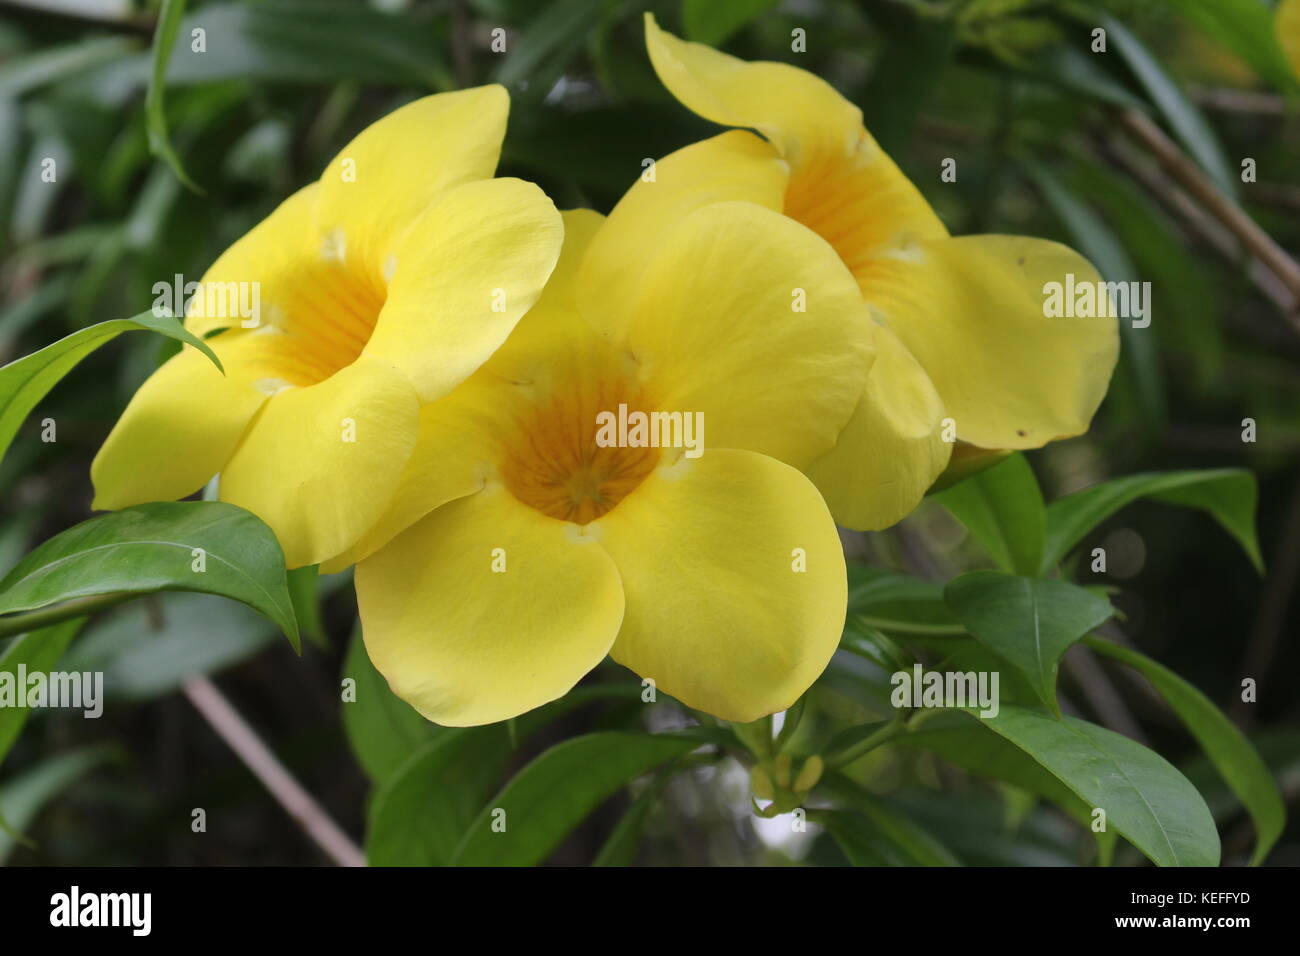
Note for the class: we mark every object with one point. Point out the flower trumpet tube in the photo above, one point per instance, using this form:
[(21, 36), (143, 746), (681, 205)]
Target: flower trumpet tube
[(540, 525), (379, 288), (966, 349)]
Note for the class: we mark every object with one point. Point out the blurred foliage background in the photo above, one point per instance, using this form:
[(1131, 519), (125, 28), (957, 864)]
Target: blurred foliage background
[(1008, 88)]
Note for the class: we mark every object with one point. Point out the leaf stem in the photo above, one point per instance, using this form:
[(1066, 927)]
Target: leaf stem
[(854, 751), (43, 617)]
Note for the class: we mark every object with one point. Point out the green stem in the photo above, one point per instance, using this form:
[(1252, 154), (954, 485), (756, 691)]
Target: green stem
[(851, 753), (80, 607)]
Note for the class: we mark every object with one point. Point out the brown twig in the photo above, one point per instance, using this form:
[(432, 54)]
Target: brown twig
[(1204, 227), (1228, 214), (243, 740)]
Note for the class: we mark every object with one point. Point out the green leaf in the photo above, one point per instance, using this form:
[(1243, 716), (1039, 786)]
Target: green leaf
[(304, 593), (23, 74), (710, 22), (309, 41), (874, 833), (898, 603), (164, 39), (1003, 508), (1227, 494), (1145, 798), (37, 651), (621, 847), (1186, 121), (423, 810), (153, 547), (555, 792), (1028, 622), (383, 729), (984, 754), (25, 381), (1225, 745), (544, 49), (23, 797), (875, 646)]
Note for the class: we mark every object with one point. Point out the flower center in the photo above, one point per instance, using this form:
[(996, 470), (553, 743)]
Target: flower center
[(861, 204), (330, 318), (554, 462), (831, 200)]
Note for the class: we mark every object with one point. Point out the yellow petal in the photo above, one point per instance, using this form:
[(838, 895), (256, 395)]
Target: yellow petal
[(273, 254), (320, 464), (378, 184), (799, 112), (458, 434), (184, 422), (736, 165), (752, 320), (892, 449), (842, 185), (972, 311), (717, 612), (465, 644), (469, 268)]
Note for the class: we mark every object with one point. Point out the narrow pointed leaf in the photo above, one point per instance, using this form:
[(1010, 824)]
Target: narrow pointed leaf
[(557, 791), (1228, 495), (25, 381), (1226, 746)]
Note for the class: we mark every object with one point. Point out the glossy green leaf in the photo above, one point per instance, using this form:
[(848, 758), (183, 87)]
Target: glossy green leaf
[(1227, 494), (555, 792), (974, 748), (383, 730), (1145, 798), (38, 651), (25, 381), (1002, 507), (1028, 622), (1225, 745), (206, 546), (423, 810)]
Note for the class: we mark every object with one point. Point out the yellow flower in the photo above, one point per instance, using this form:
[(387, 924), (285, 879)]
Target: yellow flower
[(1286, 21), (377, 289), (963, 340), (533, 546)]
